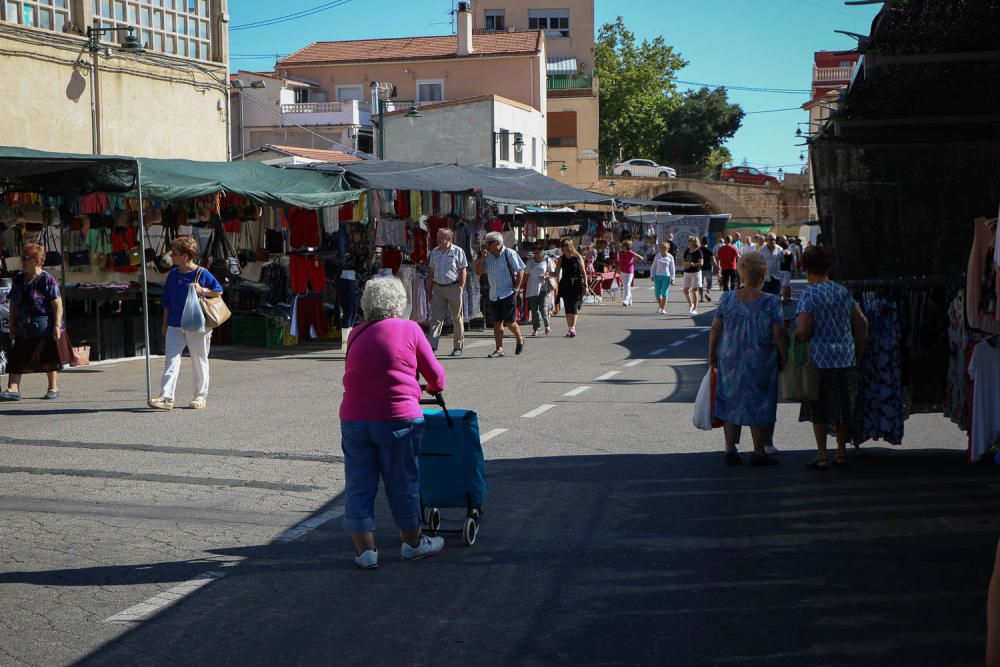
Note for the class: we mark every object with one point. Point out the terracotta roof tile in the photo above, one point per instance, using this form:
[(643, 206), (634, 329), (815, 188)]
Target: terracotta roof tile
[(316, 154), (413, 48)]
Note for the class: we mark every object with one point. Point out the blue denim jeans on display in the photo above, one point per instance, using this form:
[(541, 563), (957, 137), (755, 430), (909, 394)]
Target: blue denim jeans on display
[(387, 450)]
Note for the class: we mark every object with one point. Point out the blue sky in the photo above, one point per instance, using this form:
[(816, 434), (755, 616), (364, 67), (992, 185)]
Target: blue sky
[(750, 43)]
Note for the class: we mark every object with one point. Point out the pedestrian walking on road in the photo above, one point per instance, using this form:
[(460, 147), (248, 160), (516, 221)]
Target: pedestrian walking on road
[(832, 322), (541, 271), (774, 254), (726, 259), (446, 276), (505, 272), (747, 347), (626, 266), (707, 269), (692, 264), (572, 284), (663, 271), (381, 423), (183, 252), (36, 326)]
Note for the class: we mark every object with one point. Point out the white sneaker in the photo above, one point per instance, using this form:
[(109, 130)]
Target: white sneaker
[(694, 311), (367, 560), (428, 547), (771, 450)]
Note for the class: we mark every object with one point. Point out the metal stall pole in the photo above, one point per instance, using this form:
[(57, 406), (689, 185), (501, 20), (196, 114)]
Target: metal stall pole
[(145, 282)]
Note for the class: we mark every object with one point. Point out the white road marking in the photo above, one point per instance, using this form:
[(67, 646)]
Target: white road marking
[(658, 351), (608, 375), (537, 411), (144, 610), (577, 391), (634, 363), (309, 525), (489, 435), (692, 336), (677, 343)]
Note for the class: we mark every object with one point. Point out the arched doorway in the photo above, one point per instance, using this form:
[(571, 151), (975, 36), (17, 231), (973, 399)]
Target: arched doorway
[(705, 207)]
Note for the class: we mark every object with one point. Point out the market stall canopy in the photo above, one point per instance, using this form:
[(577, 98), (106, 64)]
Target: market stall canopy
[(521, 187), (166, 180)]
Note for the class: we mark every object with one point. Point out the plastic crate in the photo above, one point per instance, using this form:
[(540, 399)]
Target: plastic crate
[(255, 331)]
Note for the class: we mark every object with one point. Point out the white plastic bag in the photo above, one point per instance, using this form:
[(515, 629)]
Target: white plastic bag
[(192, 319), (703, 404)]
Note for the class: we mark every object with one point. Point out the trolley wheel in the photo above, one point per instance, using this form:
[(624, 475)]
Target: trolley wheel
[(470, 531), (434, 519)]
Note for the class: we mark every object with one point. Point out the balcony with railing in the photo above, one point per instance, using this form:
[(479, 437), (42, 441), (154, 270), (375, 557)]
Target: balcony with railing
[(832, 74), (342, 112), (569, 82), (488, 30)]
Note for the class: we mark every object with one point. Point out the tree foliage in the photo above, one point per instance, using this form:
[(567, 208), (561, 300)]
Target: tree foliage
[(636, 91), (642, 113), (702, 121)]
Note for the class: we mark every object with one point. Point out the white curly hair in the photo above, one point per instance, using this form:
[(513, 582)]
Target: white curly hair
[(384, 297)]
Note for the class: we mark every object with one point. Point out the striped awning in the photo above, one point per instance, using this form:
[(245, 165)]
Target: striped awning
[(561, 65)]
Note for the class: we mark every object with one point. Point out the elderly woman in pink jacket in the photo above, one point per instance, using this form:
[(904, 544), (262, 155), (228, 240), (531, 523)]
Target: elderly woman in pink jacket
[(381, 423)]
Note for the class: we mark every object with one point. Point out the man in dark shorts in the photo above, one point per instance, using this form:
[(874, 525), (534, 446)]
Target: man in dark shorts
[(505, 271)]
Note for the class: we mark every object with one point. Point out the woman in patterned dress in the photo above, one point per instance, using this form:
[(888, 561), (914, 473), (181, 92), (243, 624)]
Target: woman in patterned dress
[(837, 330), (747, 347)]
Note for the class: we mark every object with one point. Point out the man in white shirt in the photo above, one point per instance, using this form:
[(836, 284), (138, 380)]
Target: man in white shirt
[(448, 270), (773, 253)]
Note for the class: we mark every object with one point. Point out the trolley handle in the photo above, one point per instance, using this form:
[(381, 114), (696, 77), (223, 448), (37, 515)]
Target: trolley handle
[(437, 400)]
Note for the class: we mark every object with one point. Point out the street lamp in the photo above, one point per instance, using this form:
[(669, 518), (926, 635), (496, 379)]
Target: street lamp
[(563, 170), (240, 86), (131, 44), (518, 143)]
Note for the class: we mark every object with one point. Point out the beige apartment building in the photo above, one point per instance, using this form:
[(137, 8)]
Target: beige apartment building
[(460, 71), (573, 115), (160, 92)]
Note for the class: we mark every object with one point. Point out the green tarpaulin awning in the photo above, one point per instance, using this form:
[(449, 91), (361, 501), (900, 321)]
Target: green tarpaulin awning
[(166, 180)]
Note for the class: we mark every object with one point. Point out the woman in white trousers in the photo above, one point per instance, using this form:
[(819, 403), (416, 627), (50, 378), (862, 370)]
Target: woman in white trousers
[(185, 273)]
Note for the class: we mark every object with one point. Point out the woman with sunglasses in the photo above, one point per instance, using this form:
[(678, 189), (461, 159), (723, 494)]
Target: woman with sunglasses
[(36, 326)]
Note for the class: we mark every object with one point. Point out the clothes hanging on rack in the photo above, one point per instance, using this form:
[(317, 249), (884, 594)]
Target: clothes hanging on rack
[(880, 412), (981, 279), (955, 406), (984, 371)]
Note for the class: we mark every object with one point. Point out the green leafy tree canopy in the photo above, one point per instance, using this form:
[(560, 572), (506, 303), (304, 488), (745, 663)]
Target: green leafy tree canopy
[(642, 113)]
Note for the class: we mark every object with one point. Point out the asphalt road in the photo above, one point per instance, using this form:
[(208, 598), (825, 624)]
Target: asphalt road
[(613, 532)]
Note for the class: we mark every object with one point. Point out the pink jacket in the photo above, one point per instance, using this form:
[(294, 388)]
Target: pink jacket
[(380, 375)]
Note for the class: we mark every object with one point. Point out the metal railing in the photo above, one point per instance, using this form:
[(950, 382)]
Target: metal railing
[(566, 82), (483, 30), (313, 107), (827, 74)]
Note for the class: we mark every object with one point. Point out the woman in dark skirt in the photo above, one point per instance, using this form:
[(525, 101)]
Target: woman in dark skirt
[(837, 331), (36, 316), (572, 284)]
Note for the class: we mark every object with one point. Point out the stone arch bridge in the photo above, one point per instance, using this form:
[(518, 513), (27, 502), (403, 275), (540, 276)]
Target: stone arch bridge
[(744, 202)]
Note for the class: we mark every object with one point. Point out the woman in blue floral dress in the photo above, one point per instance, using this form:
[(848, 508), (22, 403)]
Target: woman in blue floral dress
[(747, 347)]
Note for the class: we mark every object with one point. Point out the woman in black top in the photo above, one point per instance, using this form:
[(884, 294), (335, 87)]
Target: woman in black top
[(572, 283), (692, 265)]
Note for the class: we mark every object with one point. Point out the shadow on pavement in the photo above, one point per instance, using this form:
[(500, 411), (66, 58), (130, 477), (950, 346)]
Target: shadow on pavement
[(653, 560)]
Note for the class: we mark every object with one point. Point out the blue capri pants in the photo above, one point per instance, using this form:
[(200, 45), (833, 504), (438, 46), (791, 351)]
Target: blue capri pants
[(385, 450), (662, 286)]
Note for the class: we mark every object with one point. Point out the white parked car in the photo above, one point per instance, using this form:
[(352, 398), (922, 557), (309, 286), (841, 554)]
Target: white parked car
[(643, 168)]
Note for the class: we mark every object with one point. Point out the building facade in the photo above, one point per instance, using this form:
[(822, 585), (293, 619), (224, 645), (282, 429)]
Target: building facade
[(426, 72), (832, 74), (495, 131), (160, 91), (573, 114)]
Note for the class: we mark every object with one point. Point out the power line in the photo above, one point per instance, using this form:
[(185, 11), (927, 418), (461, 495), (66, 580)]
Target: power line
[(750, 113), (747, 89), (290, 17)]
